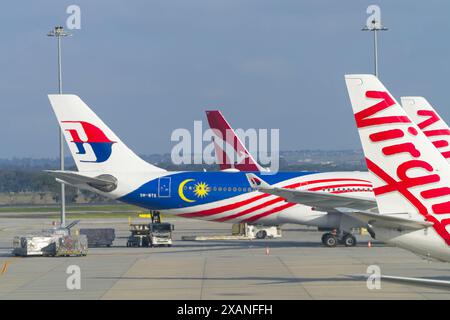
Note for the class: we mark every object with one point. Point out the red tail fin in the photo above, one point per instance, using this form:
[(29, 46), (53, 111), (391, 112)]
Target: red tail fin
[(235, 155)]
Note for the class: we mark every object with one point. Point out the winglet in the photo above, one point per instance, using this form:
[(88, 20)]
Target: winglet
[(256, 182)]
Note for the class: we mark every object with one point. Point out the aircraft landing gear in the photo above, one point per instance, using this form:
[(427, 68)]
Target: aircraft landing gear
[(349, 240), (331, 239)]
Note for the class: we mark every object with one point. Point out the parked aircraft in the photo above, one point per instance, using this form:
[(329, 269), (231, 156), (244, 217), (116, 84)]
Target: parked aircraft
[(411, 178), (107, 166)]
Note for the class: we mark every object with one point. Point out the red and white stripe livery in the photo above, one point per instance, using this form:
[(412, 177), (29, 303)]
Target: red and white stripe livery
[(428, 120), (258, 207), (409, 174)]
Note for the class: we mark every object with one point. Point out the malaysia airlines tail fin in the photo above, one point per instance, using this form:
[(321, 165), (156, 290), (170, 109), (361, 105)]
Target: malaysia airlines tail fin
[(230, 152), (94, 146), (428, 120), (409, 174)]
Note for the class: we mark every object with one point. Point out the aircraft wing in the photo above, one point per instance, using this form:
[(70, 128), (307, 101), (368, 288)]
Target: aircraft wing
[(103, 182), (354, 207), (316, 199), (395, 220)]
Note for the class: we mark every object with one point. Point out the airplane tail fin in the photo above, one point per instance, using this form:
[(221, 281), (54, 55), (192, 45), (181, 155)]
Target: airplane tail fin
[(428, 120), (256, 182), (94, 146), (409, 174), (230, 152)]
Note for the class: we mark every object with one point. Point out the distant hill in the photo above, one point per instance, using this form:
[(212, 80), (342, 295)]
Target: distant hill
[(334, 158), (23, 181)]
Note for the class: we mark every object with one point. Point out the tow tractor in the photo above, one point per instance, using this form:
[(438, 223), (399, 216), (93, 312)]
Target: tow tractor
[(152, 234), (253, 231)]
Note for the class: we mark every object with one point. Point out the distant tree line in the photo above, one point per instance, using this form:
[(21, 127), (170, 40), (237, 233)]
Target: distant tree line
[(28, 180), (27, 175)]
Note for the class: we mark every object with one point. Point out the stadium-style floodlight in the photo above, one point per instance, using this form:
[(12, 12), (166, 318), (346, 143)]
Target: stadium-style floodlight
[(59, 32), (375, 26)]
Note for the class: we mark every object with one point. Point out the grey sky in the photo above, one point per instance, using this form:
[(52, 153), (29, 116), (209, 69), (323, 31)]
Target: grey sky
[(148, 67)]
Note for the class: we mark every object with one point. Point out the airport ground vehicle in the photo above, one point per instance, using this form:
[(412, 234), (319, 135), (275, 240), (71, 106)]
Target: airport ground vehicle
[(150, 234), (160, 234), (31, 245), (98, 237), (139, 235), (52, 242), (256, 231), (73, 245), (50, 245)]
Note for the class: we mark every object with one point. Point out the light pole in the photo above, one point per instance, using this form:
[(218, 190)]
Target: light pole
[(59, 32), (375, 27)]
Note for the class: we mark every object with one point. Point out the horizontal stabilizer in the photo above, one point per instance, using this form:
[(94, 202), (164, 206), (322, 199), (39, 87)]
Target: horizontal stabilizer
[(104, 182)]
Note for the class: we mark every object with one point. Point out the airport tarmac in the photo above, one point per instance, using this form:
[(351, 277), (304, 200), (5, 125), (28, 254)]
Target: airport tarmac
[(293, 267)]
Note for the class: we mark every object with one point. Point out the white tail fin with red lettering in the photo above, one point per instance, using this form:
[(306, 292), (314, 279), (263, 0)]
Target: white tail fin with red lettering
[(409, 174), (230, 152), (94, 146), (428, 120)]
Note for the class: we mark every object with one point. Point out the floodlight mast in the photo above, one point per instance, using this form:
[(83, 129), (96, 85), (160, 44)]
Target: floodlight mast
[(59, 32), (375, 26)]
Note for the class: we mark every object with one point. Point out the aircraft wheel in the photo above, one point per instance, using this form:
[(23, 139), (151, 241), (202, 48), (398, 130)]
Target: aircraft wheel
[(261, 234), (330, 240), (349, 240)]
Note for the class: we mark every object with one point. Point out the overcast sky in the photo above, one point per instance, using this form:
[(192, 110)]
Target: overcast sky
[(149, 67)]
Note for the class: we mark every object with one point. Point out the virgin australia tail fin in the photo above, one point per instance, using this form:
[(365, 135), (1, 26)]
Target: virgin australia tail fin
[(428, 120), (409, 175), (93, 145)]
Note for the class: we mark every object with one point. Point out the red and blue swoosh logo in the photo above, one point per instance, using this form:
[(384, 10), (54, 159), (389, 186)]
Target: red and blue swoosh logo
[(101, 145)]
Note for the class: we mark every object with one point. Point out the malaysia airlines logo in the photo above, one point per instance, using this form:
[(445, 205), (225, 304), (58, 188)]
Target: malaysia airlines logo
[(100, 144), (423, 192)]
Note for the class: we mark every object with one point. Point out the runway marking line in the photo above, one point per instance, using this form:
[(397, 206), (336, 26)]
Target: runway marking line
[(4, 267)]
